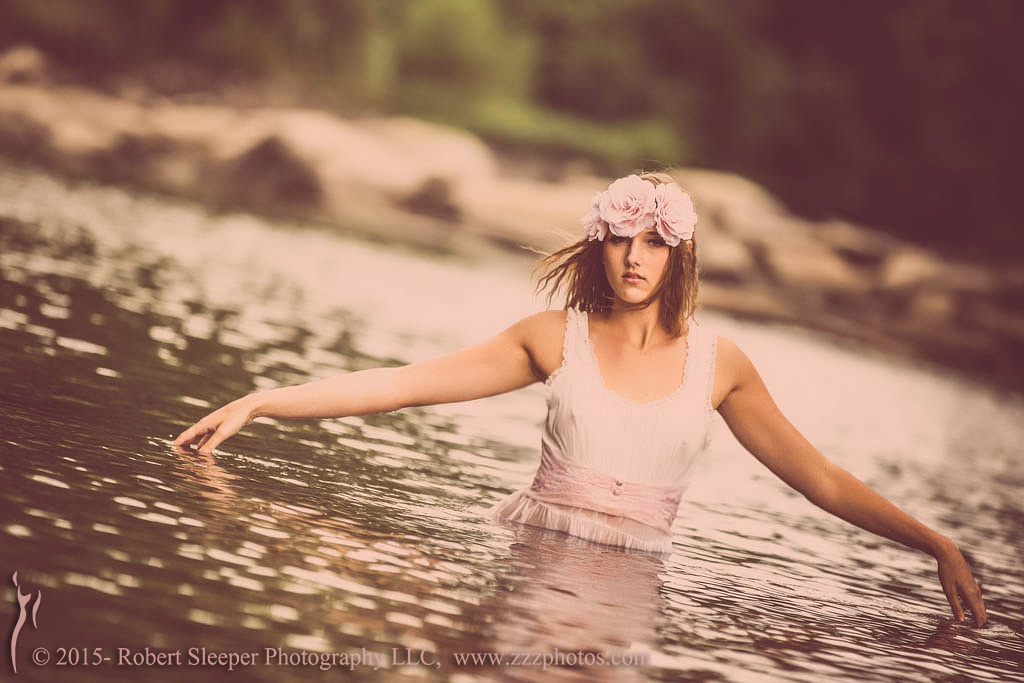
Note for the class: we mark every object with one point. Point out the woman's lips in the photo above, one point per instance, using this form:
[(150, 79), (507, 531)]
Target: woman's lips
[(632, 278)]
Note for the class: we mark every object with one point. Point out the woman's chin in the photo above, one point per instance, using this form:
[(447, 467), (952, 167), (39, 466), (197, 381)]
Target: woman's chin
[(631, 298)]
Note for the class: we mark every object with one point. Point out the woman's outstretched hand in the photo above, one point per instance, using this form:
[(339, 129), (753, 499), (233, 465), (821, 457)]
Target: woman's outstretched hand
[(959, 585), (219, 425)]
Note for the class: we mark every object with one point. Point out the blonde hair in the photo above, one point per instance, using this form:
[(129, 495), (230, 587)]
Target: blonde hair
[(578, 269)]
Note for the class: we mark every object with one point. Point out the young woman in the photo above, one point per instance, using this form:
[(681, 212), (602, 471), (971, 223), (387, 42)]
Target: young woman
[(631, 381)]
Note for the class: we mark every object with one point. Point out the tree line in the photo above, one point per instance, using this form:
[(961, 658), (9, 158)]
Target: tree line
[(902, 115)]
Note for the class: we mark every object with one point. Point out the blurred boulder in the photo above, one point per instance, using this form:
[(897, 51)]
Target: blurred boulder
[(23, 64), (861, 247), (130, 156), (435, 151), (24, 139), (269, 177), (730, 202), (910, 266), (433, 198), (437, 187), (792, 256), (755, 303), (931, 309), (721, 257)]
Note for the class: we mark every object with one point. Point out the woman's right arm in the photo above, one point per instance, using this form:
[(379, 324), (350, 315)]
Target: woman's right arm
[(498, 365)]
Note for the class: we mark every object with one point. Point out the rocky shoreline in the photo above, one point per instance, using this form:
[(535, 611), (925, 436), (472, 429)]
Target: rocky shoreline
[(411, 181)]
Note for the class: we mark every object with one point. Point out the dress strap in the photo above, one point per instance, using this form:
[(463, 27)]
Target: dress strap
[(576, 331), (572, 342), (580, 322), (703, 354)]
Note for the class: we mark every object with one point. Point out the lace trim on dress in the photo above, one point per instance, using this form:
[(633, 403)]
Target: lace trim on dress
[(710, 385), (712, 358), (582, 523), (565, 353), (632, 401)]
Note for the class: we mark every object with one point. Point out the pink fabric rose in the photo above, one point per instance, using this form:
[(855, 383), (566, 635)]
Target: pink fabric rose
[(595, 228), (628, 205), (674, 214)]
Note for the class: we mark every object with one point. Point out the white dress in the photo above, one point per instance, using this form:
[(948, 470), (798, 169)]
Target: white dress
[(613, 469)]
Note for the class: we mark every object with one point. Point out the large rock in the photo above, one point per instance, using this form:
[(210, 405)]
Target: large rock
[(861, 247), (78, 121), (416, 182), (758, 302), (729, 202), (721, 257), (23, 64), (521, 212), (932, 310), (809, 265), (269, 178), (910, 267), (24, 138), (430, 150), (297, 161)]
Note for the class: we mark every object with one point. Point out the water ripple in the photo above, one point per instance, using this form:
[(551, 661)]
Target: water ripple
[(370, 532)]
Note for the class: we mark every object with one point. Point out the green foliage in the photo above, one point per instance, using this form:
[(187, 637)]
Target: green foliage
[(617, 148), (900, 114), (454, 52)]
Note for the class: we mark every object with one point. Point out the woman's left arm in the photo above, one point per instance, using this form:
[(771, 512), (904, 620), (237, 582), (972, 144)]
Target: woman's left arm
[(743, 400)]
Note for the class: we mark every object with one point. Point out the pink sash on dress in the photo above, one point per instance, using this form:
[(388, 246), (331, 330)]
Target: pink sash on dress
[(561, 482)]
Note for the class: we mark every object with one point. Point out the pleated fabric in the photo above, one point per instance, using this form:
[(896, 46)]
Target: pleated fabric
[(613, 469)]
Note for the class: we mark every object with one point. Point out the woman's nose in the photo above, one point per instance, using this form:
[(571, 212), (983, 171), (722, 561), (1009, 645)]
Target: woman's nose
[(632, 252)]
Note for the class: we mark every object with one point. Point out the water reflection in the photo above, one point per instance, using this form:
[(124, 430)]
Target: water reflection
[(565, 597), (370, 532)]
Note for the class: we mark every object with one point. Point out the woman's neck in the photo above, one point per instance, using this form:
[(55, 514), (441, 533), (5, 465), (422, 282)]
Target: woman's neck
[(638, 327)]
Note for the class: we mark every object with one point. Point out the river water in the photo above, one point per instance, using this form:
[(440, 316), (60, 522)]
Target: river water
[(124, 318)]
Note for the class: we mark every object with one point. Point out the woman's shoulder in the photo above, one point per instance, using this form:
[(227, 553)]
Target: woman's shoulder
[(542, 335), (728, 366), (732, 363), (543, 326), (727, 351)]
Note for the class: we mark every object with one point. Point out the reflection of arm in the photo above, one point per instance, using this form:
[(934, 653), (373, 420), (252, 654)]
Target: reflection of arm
[(763, 430)]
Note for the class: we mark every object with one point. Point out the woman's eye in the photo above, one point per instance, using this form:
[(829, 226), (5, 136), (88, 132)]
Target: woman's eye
[(656, 242), (619, 239)]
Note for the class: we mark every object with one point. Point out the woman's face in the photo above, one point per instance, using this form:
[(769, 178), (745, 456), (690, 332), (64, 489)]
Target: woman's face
[(634, 266)]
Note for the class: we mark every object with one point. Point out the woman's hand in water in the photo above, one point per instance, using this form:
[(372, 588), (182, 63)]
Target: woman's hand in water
[(959, 584), (219, 425)]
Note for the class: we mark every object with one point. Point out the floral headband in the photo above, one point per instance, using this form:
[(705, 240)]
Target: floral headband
[(630, 205)]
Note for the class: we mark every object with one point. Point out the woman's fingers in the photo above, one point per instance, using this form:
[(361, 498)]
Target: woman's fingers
[(213, 429), (216, 438), (205, 434), (194, 432), (204, 426), (949, 588), (959, 586), (972, 594)]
